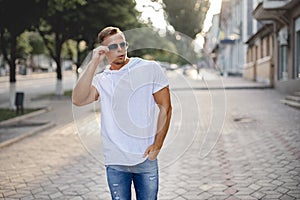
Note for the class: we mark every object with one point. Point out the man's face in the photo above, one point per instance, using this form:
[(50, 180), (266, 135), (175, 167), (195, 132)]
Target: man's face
[(118, 52)]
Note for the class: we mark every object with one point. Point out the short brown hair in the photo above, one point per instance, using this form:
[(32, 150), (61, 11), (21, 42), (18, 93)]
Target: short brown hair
[(107, 32)]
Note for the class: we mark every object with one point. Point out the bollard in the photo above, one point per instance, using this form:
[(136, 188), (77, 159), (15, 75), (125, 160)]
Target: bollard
[(19, 102)]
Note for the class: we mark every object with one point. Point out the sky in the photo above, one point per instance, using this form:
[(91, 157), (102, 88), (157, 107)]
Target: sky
[(215, 8), (154, 12)]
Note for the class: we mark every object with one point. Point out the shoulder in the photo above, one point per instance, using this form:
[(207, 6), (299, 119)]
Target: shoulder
[(149, 64), (98, 76)]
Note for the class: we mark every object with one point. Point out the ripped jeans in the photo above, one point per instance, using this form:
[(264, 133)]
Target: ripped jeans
[(144, 177)]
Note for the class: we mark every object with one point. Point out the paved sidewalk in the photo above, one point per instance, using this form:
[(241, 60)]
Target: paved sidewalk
[(256, 156), (26, 125), (57, 112)]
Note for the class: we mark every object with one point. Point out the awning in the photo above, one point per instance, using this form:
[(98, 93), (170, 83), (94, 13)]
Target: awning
[(227, 41), (262, 14)]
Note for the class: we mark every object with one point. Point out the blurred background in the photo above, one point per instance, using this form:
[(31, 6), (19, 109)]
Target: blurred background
[(256, 39)]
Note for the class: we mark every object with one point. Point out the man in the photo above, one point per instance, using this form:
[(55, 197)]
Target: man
[(132, 132)]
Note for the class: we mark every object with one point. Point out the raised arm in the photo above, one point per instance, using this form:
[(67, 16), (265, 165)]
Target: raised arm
[(163, 100), (84, 93)]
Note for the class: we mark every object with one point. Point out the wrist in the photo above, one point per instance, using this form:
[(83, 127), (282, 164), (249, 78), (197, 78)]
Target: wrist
[(157, 145), (94, 62)]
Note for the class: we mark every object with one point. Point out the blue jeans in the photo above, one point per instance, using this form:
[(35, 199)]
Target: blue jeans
[(144, 177)]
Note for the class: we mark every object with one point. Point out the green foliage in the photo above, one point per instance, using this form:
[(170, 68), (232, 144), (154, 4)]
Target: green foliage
[(57, 27), (147, 43), (59, 6), (36, 42), (82, 20), (68, 93), (64, 24), (15, 17), (186, 16), (95, 15), (161, 55), (69, 50), (6, 114), (30, 43)]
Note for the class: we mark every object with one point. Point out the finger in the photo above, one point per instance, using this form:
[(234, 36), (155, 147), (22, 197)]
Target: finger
[(147, 152), (152, 155), (101, 52), (106, 49)]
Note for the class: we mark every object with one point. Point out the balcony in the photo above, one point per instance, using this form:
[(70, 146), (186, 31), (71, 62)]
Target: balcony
[(274, 10), (276, 4), (260, 13)]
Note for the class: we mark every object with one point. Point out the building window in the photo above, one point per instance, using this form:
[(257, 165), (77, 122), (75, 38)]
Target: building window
[(268, 46), (280, 66), (297, 49), (297, 53), (260, 50), (283, 53)]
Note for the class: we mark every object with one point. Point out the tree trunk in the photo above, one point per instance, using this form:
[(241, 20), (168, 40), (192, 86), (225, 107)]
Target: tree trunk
[(58, 45), (12, 60), (12, 83), (78, 59), (12, 71), (59, 40), (59, 87), (12, 64), (12, 95)]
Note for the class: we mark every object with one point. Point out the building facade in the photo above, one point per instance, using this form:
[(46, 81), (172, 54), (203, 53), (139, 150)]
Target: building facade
[(259, 39), (273, 53), (235, 26), (212, 42)]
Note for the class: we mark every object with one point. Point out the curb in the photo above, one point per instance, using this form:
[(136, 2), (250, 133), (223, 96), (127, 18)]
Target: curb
[(22, 117), (25, 135), (224, 88)]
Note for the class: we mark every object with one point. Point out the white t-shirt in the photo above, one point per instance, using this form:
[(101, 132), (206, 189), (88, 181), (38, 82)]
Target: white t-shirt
[(128, 109)]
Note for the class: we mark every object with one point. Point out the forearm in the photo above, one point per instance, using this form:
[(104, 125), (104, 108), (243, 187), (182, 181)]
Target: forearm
[(83, 92), (163, 123), (83, 85)]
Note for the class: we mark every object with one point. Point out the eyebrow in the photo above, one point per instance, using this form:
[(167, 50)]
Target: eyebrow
[(116, 43)]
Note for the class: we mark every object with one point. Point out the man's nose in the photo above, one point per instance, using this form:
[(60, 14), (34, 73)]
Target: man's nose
[(119, 47)]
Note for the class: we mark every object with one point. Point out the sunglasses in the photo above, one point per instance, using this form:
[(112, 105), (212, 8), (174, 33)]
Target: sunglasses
[(123, 45)]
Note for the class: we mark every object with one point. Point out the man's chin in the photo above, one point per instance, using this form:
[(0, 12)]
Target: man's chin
[(119, 61)]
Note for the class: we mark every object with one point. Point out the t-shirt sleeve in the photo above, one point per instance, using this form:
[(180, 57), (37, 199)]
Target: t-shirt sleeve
[(160, 78)]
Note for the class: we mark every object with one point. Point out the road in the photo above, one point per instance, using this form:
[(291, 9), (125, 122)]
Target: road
[(35, 84), (235, 144)]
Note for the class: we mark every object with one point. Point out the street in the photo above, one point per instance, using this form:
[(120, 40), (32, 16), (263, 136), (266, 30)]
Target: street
[(34, 85), (222, 144)]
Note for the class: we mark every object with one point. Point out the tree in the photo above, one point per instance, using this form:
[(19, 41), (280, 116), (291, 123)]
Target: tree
[(95, 15), (15, 17), (30, 43), (56, 28), (186, 16), (81, 21)]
